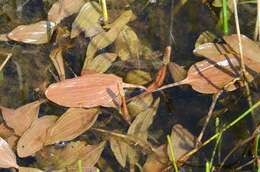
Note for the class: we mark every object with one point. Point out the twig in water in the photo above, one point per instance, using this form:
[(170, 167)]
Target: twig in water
[(211, 109)]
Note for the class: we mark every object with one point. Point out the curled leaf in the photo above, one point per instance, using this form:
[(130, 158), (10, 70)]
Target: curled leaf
[(21, 118), (33, 139), (71, 124), (64, 8), (92, 12), (37, 33), (7, 158)]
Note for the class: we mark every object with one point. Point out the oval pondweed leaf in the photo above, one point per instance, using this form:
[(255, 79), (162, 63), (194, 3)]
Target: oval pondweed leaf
[(7, 158), (182, 140), (119, 149), (89, 90), (92, 12), (127, 44), (71, 124), (64, 8), (37, 33), (212, 75), (104, 39), (102, 62), (57, 60), (33, 138), (138, 77), (21, 118)]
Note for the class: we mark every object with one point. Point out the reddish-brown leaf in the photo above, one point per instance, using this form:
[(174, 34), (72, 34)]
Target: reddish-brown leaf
[(33, 139), (7, 158), (71, 124), (212, 75), (89, 90), (21, 118), (37, 33)]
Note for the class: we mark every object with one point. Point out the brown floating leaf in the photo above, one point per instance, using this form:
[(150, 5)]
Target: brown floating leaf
[(28, 169), (250, 48), (138, 77), (102, 62), (104, 39), (212, 49), (57, 60), (119, 149), (212, 75), (87, 20), (182, 139), (33, 138), (89, 90), (71, 124), (37, 33), (64, 8), (21, 118), (7, 158), (177, 72), (127, 44)]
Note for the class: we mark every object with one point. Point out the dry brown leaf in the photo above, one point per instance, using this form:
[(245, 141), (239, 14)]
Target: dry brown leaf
[(28, 169), (212, 49), (88, 20), (12, 141), (57, 60), (64, 8), (36, 33), (7, 158), (71, 124), (21, 118), (33, 138), (182, 140), (119, 149)]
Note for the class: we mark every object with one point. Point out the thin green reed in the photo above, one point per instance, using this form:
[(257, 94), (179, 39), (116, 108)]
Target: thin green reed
[(225, 16)]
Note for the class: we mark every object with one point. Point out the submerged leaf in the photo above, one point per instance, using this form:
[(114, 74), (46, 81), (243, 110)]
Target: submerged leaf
[(64, 8), (182, 140), (102, 62), (143, 121), (71, 124), (127, 44), (104, 39), (205, 37), (33, 139), (57, 60), (3, 37), (37, 33), (138, 77), (29, 169), (5, 131), (119, 149), (21, 118), (139, 104), (87, 20), (177, 72), (7, 158)]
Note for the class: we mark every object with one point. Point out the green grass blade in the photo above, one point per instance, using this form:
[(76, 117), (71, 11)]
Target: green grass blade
[(225, 17)]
